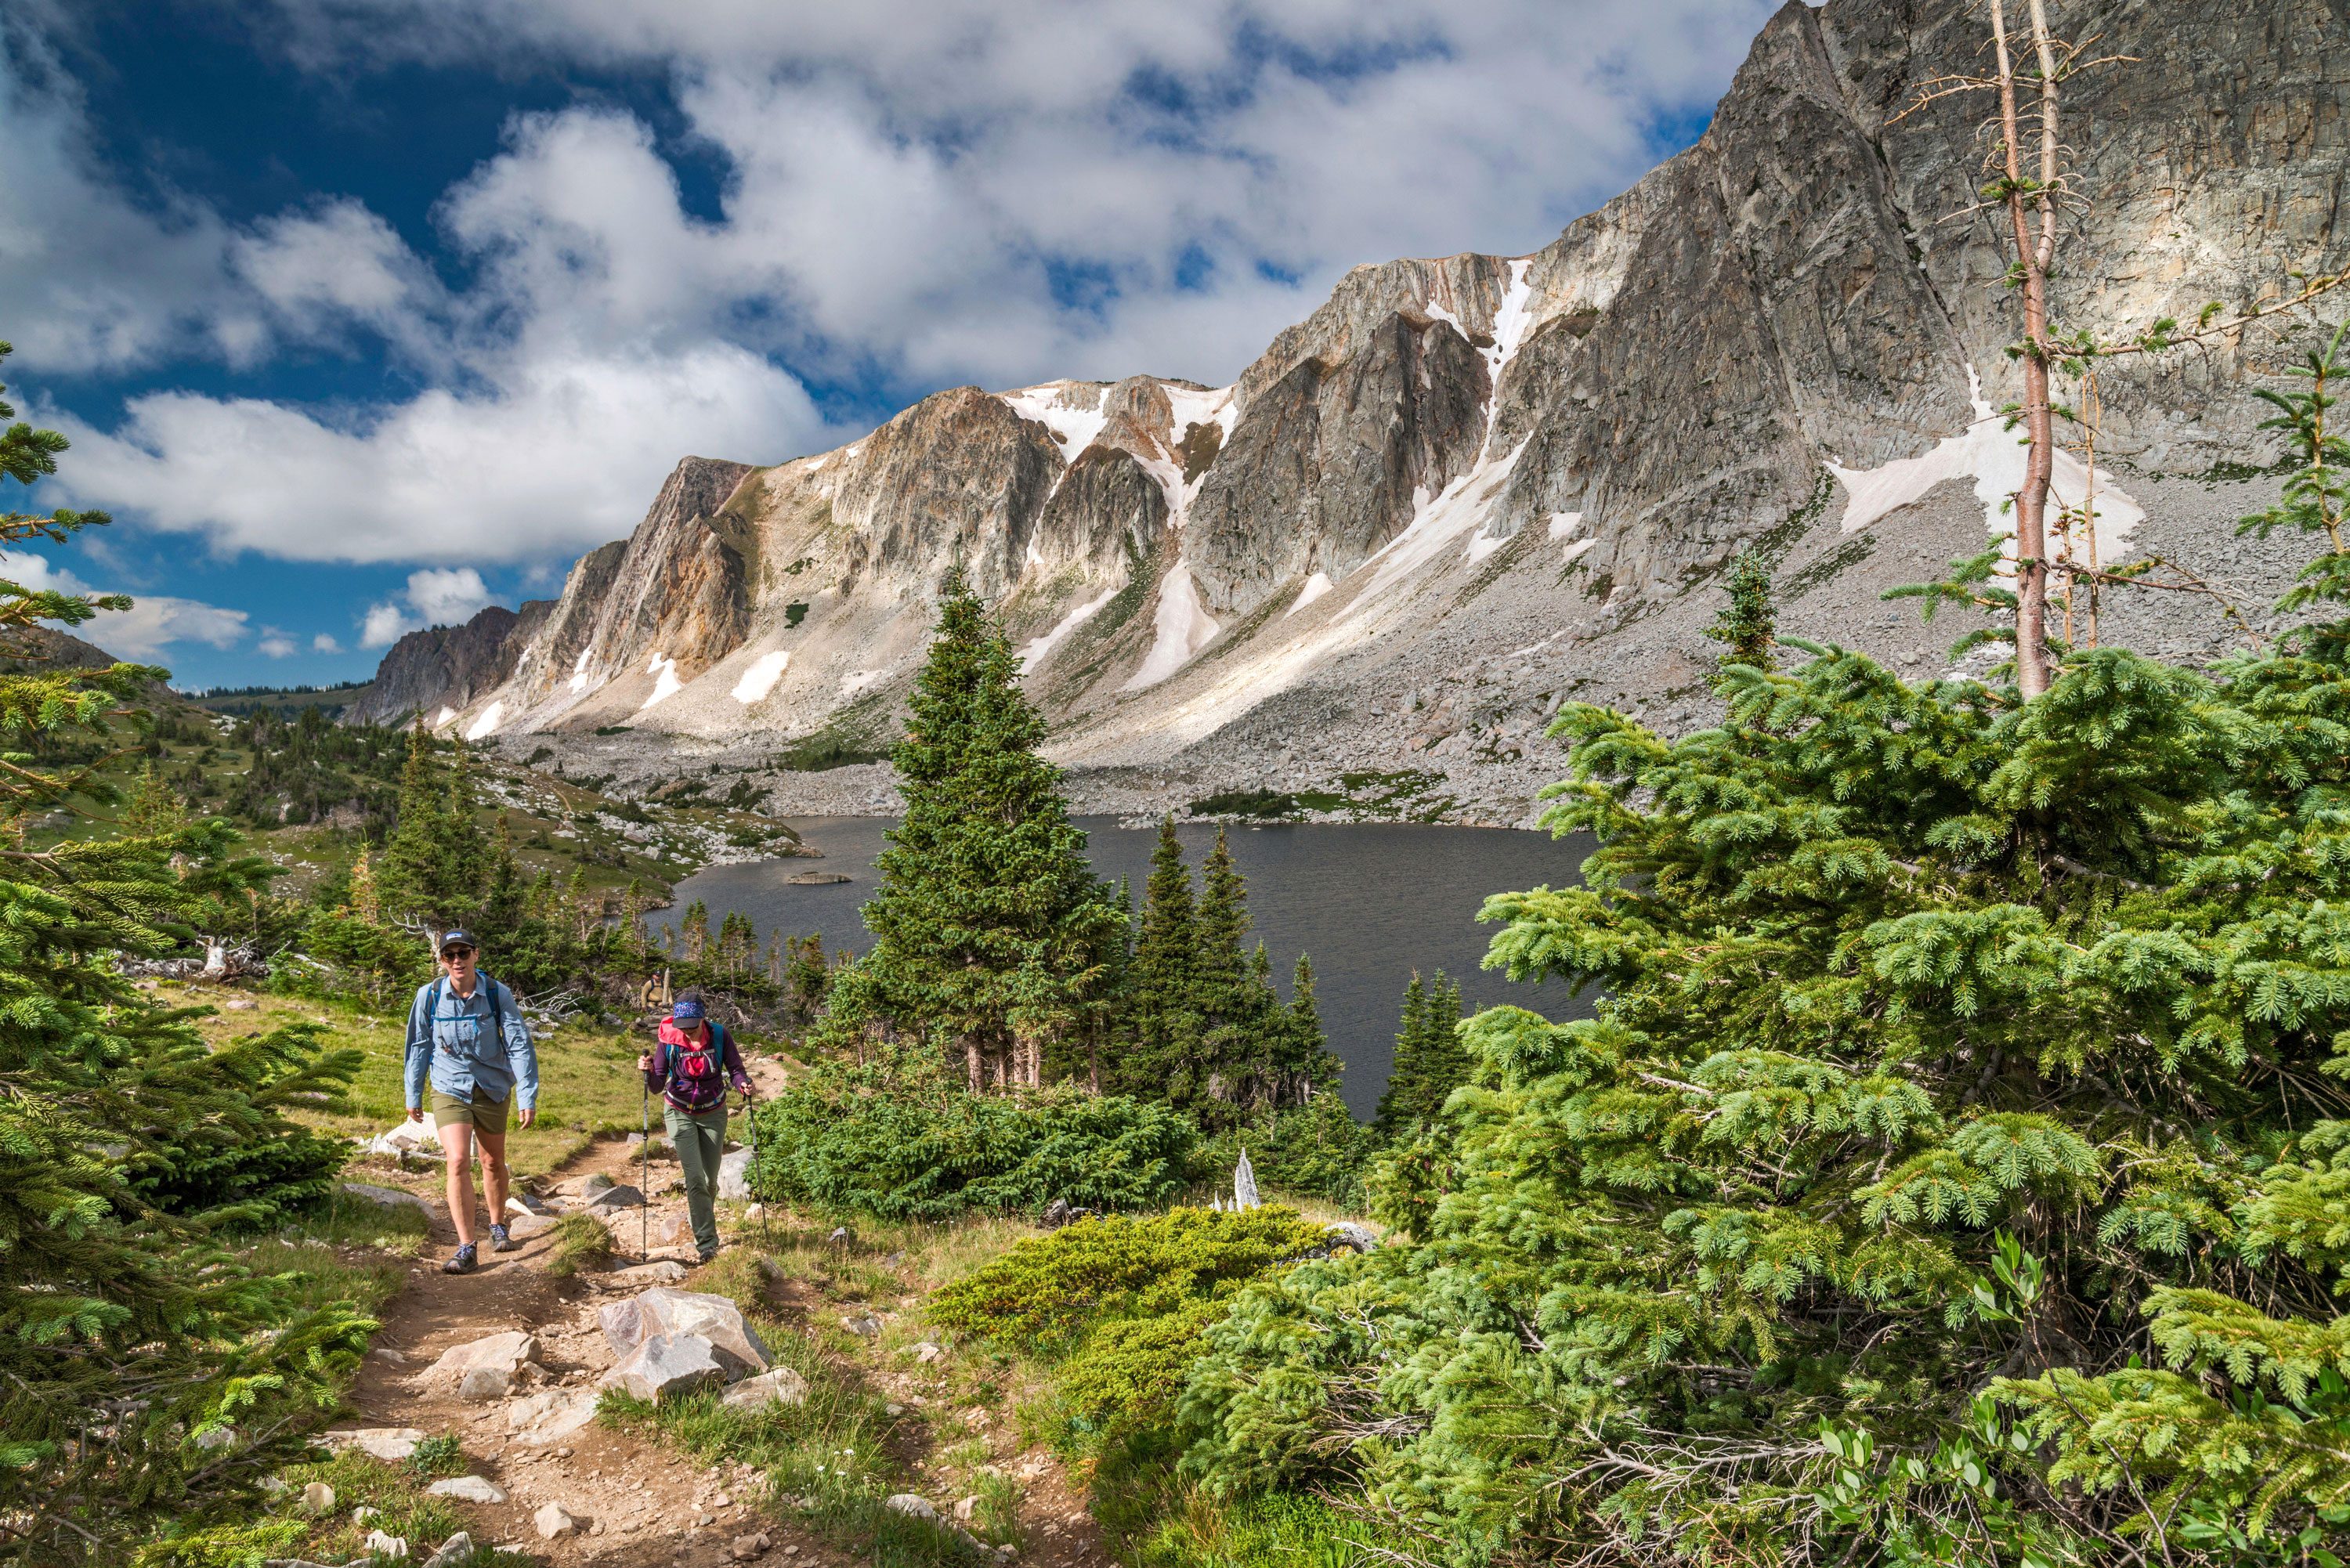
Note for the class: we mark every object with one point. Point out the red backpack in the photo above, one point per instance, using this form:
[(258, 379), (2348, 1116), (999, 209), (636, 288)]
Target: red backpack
[(696, 1068)]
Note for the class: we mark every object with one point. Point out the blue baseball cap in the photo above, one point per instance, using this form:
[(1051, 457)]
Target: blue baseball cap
[(686, 1007), (458, 940)]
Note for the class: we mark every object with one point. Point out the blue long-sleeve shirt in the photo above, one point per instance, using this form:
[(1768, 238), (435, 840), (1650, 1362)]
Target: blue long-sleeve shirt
[(459, 1050)]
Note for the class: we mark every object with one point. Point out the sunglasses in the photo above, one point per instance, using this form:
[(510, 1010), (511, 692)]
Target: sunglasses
[(456, 952)]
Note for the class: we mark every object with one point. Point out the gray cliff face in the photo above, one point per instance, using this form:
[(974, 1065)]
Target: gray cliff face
[(443, 669), (1542, 460)]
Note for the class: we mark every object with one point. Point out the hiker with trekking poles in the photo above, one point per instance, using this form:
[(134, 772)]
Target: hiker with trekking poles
[(692, 1061), (468, 1041)]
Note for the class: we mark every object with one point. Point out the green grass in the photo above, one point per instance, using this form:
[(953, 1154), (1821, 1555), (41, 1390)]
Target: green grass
[(833, 1453), (1274, 1531), (395, 1491), (352, 1250), (582, 1242)]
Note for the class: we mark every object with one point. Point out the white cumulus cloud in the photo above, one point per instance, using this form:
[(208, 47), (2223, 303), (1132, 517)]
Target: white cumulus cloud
[(142, 633), (437, 595)]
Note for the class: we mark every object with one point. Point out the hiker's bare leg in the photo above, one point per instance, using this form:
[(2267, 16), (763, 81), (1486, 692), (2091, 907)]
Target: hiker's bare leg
[(496, 1177), (457, 1143)]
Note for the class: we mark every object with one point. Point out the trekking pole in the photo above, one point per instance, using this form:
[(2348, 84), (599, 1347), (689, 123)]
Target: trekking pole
[(750, 1117), (644, 1169)]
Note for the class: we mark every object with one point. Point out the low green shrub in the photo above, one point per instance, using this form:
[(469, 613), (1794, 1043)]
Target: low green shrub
[(865, 1144), (1044, 1295)]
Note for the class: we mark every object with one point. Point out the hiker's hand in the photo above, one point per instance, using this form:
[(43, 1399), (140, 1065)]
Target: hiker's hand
[(528, 1115), (644, 1063), (416, 1113)]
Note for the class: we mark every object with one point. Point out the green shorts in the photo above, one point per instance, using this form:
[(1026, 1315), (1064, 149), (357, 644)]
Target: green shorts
[(488, 1116)]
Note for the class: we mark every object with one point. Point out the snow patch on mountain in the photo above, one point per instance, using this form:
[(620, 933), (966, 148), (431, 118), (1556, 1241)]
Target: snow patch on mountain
[(761, 677), (1183, 624), (1033, 652), (665, 683), (1994, 456), (1073, 429), (579, 670), (1316, 587), (487, 723)]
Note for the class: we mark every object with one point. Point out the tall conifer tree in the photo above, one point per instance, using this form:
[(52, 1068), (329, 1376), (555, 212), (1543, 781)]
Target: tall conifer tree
[(128, 1335), (992, 931)]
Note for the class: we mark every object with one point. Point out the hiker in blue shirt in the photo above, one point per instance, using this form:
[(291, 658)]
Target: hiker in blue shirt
[(465, 1033)]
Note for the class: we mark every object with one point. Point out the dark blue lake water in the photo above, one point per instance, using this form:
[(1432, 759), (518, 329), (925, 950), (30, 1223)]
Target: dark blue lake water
[(1370, 903)]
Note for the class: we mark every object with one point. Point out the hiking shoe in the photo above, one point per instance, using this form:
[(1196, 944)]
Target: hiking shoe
[(707, 1254), (500, 1241), (462, 1263)]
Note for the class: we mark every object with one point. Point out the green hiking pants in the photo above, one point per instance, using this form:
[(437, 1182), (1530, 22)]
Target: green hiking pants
[(699, 1139)]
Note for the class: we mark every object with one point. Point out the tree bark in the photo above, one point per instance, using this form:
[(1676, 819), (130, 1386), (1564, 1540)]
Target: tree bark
[(2034, 256)]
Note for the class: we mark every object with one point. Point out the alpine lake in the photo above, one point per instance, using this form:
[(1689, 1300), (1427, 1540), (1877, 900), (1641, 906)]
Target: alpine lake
[(1369, 903)]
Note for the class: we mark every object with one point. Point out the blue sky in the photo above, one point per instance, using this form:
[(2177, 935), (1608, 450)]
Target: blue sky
[(364, 313)]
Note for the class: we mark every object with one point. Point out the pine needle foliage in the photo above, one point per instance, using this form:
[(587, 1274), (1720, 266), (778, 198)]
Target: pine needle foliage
[(1972, 1082), (148, 1381), (991, 929)]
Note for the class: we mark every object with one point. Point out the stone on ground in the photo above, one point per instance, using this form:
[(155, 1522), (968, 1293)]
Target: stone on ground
[(781, 1386), (480, 1385), (747, 1547), (380, 1543), (966, 1508), (505, 1352), (666, 1364), (662, 1271), (456, 1549), (387, 1197), (864, 1324), (594, 1182), (391, 1444), (522, 1227), (734, 1174), (471, 1489), (604, 1199), (537, 1419), (318, 1498), (553, 1520), (912, 1506), (713, 1318)]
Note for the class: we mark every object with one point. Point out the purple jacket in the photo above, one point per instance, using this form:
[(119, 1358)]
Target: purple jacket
[(672, 1038)]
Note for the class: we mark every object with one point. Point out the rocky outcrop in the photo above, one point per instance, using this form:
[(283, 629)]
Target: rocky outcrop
[(442, 670), (1510, 463)]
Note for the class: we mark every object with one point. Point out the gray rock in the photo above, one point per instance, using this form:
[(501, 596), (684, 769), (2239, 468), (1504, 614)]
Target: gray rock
[(734, 1174), (390, 1444), (661, 1272), (912, 1507), (781, 1386), (606, 1200), (665, 1311), (318, 1498), (553, 1522), (456, 1549), (666, 1364), (537, 1419), (482, 1384), (471, 1488), (388, 1196), (505, 1353), (382, 1544)]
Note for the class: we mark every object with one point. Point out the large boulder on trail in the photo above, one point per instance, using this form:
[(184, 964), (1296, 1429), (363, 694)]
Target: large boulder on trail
[(665, 1363), (734, 1174), (538, 1420), (661, 1310), (505, 1351)]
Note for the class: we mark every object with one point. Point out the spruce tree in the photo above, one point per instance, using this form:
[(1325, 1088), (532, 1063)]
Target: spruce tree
[(129, 1336), (1955, 1169), (1746, 626), (1399, 1106), (1164, 1018), (991, 929)]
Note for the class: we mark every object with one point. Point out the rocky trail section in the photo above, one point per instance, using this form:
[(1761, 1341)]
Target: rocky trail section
[(512, 1360), (1478, 484)]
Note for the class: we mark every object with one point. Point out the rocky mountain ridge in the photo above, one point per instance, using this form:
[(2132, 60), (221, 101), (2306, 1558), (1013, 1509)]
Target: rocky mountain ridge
[(1465, 488)]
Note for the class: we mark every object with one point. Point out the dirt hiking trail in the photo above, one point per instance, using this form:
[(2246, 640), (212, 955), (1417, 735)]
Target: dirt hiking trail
[(633, 1500)]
